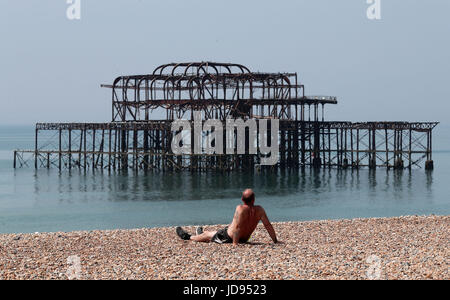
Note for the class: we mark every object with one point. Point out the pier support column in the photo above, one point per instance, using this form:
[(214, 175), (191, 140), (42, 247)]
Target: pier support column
[(429, 165), (345, 164), (124, 149), (317, 163), (36, 149), (303, 144), (373, 163), (399, 164)]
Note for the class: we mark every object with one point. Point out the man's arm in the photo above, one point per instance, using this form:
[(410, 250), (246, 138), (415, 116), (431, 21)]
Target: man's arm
[(268, 226), (236, 233)]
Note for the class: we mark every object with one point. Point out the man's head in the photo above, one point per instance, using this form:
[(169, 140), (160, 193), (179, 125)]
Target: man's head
[(248, 197)]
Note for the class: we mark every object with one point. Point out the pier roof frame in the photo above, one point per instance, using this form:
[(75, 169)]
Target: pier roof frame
[(206, 86)]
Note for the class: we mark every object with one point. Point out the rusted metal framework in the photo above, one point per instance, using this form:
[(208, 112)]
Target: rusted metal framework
[(220, 91), (144, 106)]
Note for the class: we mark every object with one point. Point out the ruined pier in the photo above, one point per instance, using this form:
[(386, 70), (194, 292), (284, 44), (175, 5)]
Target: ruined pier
[(144, 107)]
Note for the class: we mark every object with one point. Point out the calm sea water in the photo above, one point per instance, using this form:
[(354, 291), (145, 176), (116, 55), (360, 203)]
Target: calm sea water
[(49, 201)]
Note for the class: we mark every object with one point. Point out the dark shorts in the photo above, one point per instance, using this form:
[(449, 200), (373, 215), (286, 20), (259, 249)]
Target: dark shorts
[(222, 237)]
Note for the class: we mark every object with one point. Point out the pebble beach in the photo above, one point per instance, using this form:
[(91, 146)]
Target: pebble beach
[(385, 248)]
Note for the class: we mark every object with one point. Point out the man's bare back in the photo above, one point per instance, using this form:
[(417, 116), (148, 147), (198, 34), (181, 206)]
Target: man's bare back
[(246, 218)]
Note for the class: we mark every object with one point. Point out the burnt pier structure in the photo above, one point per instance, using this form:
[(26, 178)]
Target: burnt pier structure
[(140, 134)]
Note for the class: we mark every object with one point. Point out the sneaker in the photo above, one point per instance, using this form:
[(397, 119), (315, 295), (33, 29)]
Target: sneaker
[(199, 230), (183, 234)]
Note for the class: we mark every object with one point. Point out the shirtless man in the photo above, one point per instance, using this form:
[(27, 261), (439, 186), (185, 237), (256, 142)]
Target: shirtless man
[(246, 218)]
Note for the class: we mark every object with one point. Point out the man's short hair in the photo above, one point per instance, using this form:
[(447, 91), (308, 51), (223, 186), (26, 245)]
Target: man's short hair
[(248, 197)]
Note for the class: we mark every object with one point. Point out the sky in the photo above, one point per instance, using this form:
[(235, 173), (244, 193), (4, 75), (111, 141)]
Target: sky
[(393, 69)]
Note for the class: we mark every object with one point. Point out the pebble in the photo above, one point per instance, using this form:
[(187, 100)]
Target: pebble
[(414, 247)]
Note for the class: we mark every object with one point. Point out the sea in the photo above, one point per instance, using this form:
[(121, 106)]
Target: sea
[(53, 201)]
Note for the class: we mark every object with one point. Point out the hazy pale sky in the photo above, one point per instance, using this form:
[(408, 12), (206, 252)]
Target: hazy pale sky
[(396, 68)]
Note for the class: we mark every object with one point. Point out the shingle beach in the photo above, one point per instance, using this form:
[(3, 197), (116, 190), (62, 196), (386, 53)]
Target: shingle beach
[(386, 248)]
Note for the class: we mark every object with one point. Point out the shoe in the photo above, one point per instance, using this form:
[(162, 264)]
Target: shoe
[(183, 234), (199, 230)]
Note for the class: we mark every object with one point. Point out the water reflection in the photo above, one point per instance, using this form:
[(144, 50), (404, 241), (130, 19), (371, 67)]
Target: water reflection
[(429, 176), (46, 200), (83, 187)]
